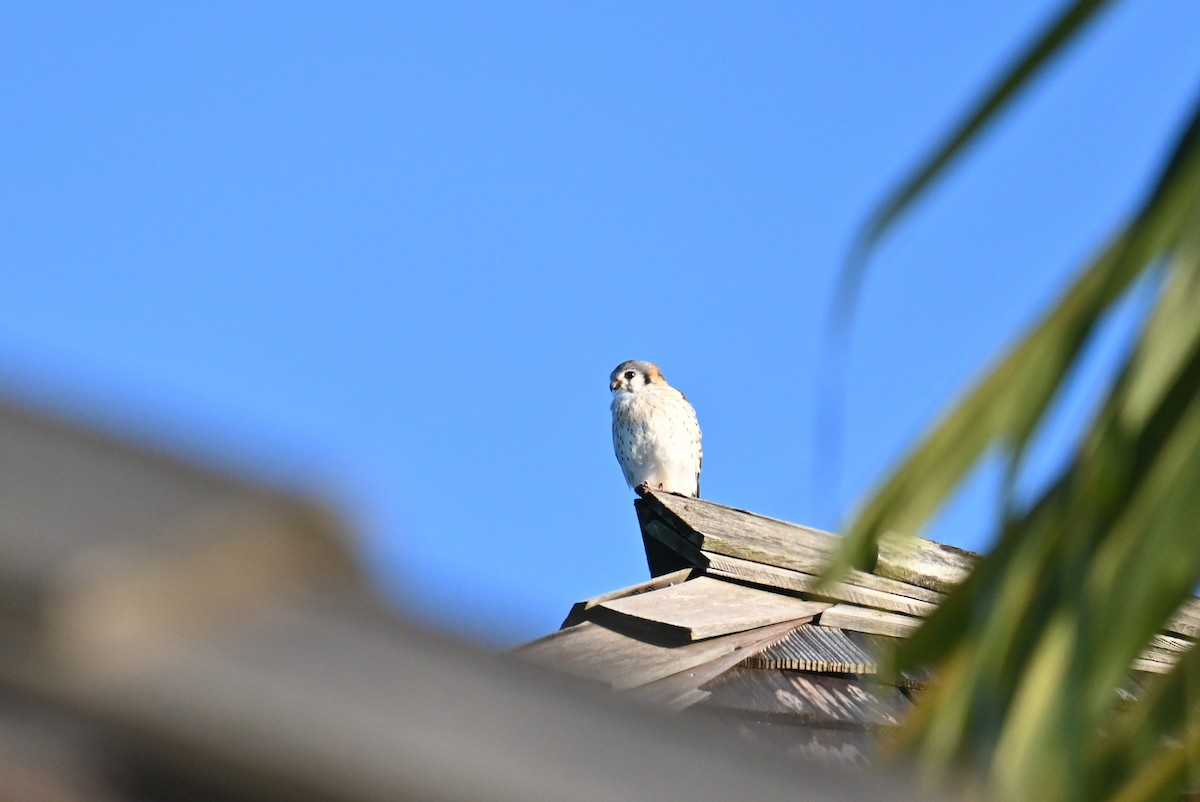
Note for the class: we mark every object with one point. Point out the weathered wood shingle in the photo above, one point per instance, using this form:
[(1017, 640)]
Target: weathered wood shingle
[(685, 638), (703, 608)]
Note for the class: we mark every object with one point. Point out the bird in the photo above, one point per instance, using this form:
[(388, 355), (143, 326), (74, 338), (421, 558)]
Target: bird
[(656, 435)]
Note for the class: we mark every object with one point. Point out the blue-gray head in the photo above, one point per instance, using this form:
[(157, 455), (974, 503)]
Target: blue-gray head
[(634, 373)]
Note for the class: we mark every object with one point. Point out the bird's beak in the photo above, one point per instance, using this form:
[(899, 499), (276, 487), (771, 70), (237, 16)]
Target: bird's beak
[(614, 384)]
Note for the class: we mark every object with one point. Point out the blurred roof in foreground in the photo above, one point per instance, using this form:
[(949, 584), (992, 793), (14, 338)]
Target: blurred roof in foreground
[(171, 633)]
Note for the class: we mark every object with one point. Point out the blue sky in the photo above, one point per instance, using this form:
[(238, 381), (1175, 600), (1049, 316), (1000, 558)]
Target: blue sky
[(390, 252)]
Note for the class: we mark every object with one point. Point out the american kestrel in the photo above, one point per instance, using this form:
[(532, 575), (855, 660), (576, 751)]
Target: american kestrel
[(655, 431)]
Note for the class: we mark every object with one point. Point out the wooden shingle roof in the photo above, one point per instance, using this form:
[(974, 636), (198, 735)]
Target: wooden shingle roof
[(734, 623)]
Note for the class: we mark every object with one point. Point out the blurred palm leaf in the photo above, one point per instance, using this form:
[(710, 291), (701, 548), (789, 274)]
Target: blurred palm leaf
[(1033, 647)]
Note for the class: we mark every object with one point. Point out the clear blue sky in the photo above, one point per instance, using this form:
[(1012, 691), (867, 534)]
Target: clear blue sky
[(389, 252)]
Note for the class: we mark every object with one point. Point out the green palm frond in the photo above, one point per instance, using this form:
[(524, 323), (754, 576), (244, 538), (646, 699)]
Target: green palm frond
[(1033, 647)]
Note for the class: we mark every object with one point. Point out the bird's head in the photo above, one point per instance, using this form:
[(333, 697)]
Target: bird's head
[(634, 374)]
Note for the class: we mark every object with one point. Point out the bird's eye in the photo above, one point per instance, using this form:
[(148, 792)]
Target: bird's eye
[(629, 374)]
